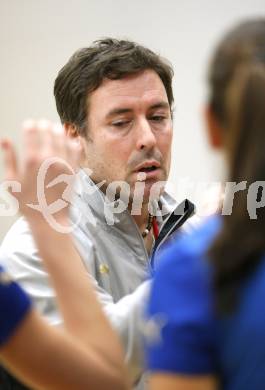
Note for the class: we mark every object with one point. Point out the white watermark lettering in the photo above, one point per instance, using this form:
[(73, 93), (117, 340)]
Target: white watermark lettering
[(210, 197), (253, 203), (11, 206)]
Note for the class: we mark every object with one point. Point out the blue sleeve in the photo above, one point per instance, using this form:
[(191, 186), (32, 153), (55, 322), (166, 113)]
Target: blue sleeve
[(14, 305), (179, 331)]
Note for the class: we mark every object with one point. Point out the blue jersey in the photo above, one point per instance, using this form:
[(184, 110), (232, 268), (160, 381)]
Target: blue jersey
[(184, 336), (14, 305)]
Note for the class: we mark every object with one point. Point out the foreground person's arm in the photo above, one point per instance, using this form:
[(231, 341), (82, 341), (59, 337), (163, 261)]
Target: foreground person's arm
[(44, 357), (38, 354)]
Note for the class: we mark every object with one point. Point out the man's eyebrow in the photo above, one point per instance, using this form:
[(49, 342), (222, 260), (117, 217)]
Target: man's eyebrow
[(160, 105), (117, 111)]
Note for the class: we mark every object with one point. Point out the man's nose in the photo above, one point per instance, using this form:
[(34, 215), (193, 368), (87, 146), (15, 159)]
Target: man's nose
[(145, 137)]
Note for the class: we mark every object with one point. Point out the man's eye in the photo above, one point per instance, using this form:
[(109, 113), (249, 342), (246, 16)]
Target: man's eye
[(158, 118), (120, 123)]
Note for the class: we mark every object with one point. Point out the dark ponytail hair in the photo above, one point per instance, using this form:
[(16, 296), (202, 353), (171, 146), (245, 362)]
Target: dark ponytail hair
[(237, 84)]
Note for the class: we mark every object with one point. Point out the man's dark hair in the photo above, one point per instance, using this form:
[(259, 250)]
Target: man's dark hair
[(105, 59)]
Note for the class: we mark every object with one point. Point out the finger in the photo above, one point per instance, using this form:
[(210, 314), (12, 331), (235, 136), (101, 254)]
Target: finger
[(10, 159), (46, 146), (59, 140), (30, 136)]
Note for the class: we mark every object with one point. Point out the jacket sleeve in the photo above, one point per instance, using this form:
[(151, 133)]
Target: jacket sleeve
[(126, 317), (20, 258)]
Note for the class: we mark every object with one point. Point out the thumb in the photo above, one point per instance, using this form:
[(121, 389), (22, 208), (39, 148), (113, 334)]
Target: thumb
[(10, 159)]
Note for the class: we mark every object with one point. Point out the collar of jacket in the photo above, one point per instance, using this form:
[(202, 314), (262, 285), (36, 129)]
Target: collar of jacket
[(171, 217)]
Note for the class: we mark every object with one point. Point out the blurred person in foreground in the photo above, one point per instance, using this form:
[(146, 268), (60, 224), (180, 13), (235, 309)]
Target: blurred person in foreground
[(206, 320), (86, 352)]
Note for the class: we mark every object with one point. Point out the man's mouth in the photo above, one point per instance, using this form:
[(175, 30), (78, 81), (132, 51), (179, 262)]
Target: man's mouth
[(148, 166), (148, 169)]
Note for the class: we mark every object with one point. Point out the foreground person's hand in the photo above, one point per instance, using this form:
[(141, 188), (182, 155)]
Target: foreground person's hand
[(46, 171)]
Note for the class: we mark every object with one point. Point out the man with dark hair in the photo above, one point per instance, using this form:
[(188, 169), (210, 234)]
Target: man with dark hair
[(110, 59), (115, 98)]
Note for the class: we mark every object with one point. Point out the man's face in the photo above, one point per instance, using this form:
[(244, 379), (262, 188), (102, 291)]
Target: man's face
[(129, 131)]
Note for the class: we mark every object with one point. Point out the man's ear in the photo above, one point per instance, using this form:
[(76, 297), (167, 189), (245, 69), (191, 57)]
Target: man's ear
[(214, 129), (70, 130)]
